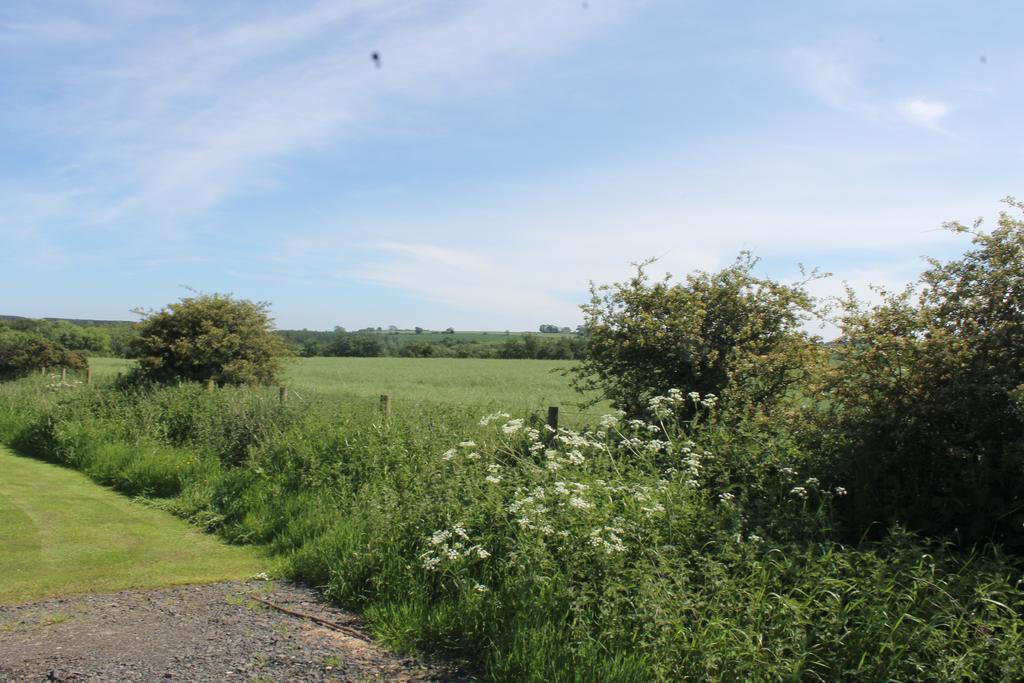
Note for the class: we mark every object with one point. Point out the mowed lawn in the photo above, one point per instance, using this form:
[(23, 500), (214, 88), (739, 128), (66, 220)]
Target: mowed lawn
[(513, 385), (61, 534)]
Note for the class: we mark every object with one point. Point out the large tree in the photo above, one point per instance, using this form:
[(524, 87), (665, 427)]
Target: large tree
[(209, 336)]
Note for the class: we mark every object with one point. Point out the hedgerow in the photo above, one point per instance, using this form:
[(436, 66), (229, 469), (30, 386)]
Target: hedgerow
[(633, 550)]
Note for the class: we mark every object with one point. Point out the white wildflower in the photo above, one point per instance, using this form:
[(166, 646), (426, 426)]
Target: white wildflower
[(491, 479), (579, 503), (512, 426), (467, 444)]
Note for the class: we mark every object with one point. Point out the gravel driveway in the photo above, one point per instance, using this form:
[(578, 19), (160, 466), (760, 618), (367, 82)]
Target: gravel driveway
[(217, 632)]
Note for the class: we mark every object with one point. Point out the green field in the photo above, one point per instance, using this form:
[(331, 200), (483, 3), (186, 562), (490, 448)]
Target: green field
[(513, 385), (62, 534)]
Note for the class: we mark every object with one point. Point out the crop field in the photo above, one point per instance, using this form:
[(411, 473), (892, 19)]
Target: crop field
[(511, 385)]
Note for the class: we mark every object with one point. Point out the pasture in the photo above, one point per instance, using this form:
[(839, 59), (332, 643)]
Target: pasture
[(511, 385)]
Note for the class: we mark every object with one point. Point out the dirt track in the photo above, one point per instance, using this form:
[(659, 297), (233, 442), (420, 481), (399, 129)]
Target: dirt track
[(213, 632)]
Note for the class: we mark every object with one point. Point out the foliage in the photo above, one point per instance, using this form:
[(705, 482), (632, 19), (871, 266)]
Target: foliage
[(423, 344), (633, 550), (23, 352), (728, 333), (209, 336), (922, 408), (92, 339)]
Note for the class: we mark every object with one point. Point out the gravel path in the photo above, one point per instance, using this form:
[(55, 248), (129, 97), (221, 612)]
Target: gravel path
[(213, 632)]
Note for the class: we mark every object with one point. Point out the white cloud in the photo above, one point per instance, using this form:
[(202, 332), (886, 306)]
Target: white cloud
[(835, 82), (924, 112)]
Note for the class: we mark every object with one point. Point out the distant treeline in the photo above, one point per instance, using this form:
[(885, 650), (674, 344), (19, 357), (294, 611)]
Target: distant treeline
[(100, 338), (367, 343), (92, 338)]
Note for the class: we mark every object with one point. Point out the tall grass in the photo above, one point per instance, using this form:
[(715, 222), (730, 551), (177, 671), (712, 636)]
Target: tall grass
[(626, 551)]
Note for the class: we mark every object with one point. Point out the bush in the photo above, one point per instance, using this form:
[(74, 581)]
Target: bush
[(727, 333), (209, 336), (22, 352), (923, 411)]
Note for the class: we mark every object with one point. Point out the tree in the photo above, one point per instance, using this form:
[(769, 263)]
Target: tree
[(209, 336), (728, 333), (23, 352), (924, 409)]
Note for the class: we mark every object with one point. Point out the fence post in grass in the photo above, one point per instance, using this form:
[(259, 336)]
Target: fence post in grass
[(88, 375), (282, 394), (209, 385), (553, 419), (385, 405), (63, 375)]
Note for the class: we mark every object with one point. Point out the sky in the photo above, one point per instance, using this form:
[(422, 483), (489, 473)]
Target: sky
[(499, 157)]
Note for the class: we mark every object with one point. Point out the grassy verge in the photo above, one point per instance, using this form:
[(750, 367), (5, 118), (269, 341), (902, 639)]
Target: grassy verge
[(62, 534), (632, 551)]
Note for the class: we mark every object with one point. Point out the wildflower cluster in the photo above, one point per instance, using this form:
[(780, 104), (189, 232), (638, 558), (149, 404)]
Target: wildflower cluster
[(447, 547)]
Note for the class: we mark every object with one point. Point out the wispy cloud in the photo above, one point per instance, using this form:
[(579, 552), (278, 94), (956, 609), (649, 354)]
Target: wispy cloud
[(835, 82), (202, 109)]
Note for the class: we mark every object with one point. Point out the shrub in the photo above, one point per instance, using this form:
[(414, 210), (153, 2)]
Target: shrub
[(209, 336), (727, 333), (923, 412), (22, 352)]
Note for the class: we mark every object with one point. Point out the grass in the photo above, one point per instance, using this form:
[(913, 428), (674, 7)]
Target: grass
[(635, 552), (62, 534), (514, 385)]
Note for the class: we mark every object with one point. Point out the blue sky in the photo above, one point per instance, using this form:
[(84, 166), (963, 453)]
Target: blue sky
[(504, 155)]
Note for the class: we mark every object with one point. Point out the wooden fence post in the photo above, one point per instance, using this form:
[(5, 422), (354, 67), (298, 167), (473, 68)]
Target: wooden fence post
[(63, 375), (209, 385), (88, 375), (385, 405), (282, 394), (553, 418)]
